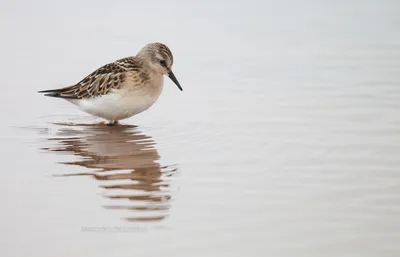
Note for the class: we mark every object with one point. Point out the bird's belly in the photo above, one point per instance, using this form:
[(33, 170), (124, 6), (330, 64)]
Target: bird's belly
[(116, 106)]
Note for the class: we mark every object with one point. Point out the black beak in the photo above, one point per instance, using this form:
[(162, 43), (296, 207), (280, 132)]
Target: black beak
[(173, 78)]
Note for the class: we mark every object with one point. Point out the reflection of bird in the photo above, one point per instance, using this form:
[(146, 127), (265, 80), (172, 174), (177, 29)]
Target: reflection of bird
[(123, 88), (120, 148)]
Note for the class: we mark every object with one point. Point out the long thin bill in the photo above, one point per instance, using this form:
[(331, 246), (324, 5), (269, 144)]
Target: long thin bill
[(173, 78)]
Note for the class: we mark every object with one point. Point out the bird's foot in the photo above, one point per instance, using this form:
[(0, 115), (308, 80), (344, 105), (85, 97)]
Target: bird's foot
[(112, 123)]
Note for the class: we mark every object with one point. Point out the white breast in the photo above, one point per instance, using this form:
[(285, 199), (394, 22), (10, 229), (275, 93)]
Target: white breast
[(123, 103)]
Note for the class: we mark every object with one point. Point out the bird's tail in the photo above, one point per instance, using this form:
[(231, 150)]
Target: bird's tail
[(51, 92), (66, 92)]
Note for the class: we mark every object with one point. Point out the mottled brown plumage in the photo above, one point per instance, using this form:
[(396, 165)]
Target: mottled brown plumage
[(102, 80), (123, 88)]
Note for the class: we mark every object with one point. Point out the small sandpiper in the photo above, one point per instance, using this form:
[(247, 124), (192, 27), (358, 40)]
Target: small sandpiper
[(123, 88)]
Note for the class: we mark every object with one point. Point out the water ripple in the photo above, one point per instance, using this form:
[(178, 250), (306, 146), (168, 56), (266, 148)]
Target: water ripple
[(125, 159)]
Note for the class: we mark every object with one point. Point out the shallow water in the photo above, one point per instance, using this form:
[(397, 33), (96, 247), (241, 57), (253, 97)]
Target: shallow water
[(284, 142)]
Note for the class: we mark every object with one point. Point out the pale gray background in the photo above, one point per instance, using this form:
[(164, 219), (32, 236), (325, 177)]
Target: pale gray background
[(287, 134)]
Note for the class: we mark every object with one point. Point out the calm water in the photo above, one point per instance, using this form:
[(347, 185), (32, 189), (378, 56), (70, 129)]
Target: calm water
[(285, 141)]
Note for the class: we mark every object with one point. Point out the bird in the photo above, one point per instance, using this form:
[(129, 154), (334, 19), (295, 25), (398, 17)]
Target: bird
[(124, 87)]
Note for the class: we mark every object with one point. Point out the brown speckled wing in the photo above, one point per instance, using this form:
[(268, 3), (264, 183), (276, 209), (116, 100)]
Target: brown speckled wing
[(99, 82)]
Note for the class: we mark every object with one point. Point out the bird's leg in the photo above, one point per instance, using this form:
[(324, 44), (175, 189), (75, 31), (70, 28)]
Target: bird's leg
[(112, 123)]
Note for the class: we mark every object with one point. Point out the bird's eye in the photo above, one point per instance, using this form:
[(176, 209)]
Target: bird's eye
[(163, 63)]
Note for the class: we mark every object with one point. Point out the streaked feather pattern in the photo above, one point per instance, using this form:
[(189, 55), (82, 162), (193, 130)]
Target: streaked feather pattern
[(99, 82)]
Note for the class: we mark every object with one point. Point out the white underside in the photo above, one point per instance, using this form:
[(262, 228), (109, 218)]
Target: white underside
[(119, 104)]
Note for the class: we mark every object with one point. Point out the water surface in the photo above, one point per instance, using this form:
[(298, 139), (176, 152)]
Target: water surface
[(284, 142)]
